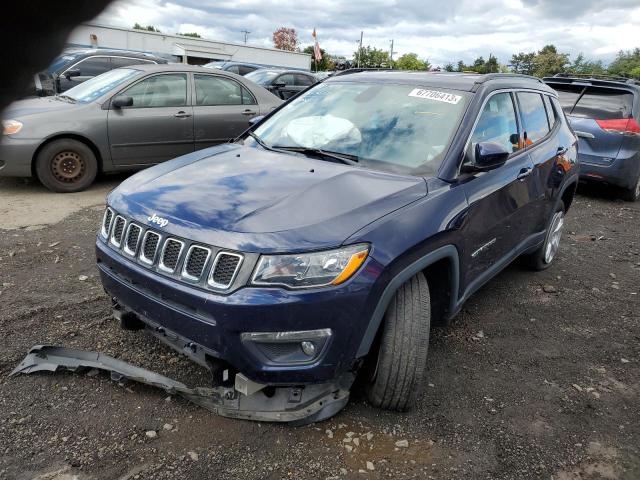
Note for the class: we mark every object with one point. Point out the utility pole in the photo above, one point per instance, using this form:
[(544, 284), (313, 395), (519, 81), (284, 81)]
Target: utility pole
[(391, 52), (360, 49), (246, 34)]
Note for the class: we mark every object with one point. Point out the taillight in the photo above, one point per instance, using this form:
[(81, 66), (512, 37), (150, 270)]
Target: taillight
[(622, 125)]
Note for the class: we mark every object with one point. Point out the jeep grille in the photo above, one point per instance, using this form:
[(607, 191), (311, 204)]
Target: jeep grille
[(155, 251)]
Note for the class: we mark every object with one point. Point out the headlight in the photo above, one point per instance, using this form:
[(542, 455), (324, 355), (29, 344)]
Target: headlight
[(306, 270), (9, 127)]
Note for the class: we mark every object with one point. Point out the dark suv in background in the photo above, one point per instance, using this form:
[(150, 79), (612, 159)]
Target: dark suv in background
[(605, 115), (74, 66), (324, 241), (283, 83)]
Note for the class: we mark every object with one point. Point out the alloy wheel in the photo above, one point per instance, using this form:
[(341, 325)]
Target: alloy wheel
[(553, 237)]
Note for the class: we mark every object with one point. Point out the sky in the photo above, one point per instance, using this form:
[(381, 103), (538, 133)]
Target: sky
[(441, 31)]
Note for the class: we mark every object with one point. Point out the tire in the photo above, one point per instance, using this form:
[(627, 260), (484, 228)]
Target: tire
[(397, 368), (66, 165), (632, 194), (543, 257)]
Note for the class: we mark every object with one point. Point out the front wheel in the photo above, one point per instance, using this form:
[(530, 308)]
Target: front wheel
[(544, 256), (397, 370), (66, 165)]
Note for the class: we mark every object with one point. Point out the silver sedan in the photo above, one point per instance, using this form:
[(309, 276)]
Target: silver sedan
[(126, 119)]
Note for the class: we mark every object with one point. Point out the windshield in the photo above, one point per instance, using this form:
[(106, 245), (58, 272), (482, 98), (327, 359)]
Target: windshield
[(97, 86), (262, 77), (215, 64), (399, 128)]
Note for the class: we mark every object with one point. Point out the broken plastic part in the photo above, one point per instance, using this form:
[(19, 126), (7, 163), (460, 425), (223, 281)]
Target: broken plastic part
[(297, 406)]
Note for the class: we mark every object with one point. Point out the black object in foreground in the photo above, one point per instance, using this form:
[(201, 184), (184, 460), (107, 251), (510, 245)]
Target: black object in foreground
[(286, 404)]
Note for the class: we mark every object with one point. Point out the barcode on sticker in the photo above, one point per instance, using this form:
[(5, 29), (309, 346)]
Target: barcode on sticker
[(435, 95)]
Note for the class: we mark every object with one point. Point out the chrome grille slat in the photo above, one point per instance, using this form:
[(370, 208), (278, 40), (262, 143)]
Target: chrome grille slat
[(170, 255), (132, 239), (118, 230), (150, 243), (195, 261), (224, 270), (106, 222)]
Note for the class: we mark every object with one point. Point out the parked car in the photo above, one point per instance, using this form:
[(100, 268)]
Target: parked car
[(605, 114), (126, 119), (325, 241), (283, 83), (238, 68), (75, 66)]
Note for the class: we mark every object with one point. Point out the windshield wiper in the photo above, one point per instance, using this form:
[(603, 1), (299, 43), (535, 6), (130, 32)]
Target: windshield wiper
[(260, 142), (341, 157)]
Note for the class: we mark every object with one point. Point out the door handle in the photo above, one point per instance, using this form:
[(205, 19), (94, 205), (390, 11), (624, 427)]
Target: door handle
[(182, 114), (584, 134), (248, 112), (525, 172)]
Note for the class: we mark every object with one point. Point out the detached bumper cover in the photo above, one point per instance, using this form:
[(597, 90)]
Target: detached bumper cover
[(291, 405)]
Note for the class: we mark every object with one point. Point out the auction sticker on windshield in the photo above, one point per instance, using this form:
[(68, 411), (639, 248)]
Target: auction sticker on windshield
[(435, 95)]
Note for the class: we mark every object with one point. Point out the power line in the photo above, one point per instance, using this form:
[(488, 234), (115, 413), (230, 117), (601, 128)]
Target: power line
[(246, 34)]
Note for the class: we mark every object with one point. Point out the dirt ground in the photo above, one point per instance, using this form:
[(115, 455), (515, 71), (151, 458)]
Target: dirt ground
[(537, 378)]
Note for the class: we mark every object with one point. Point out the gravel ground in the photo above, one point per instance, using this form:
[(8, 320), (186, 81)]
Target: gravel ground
[(536, 378)]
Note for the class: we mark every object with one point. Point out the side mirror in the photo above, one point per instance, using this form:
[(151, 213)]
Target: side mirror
[(122, 101), (71, 73), (488, 155), (255, 120)]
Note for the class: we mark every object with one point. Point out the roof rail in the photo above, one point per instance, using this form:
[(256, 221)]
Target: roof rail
[(597, 76), (491, 76)]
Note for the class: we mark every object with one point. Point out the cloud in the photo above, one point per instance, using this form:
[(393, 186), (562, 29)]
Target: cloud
[(440, 30)]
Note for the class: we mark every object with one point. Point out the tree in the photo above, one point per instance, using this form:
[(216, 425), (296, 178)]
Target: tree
[(286, 39), (367, 57), (461, 66), (192, 34), (523, 63), (635, 72), (326, 63), (148, 28), (548, 61), (585, 67), (449, 67), (625, 63), (410, 61)]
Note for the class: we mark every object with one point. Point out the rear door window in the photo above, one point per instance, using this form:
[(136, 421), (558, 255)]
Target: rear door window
[(287, 79), (550, 112), (303, 80), (212, 90), (534, 116), (604, 104)]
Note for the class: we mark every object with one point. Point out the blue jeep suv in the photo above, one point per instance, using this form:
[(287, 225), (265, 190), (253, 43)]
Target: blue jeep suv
[(324, 242)]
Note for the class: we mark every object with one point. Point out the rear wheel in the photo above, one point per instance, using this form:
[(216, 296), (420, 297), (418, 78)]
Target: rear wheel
[(396, 370), (544, 256), (66, 165), (633, 194)]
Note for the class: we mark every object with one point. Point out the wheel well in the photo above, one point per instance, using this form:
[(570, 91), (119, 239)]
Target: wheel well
[(439, 276), (71, 136), (567, 196)]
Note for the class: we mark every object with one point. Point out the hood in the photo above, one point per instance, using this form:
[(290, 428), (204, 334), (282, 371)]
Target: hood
[(32, 106), (252, 199)]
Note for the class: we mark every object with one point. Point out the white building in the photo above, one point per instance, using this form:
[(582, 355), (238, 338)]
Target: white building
[(183, 49)]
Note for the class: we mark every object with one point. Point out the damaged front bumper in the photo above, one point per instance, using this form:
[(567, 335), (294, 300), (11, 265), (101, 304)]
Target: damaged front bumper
[(244, 400)]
